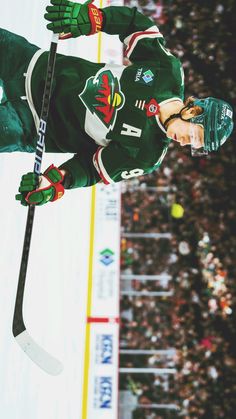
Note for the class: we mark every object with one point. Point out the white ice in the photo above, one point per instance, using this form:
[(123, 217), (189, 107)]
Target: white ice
[(56, 287)]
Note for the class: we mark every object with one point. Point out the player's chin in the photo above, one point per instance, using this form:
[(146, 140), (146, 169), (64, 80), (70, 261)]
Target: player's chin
[(172, 136)]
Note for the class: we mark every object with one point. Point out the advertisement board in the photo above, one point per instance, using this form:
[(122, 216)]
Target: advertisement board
[(103, 384), (101, 359)]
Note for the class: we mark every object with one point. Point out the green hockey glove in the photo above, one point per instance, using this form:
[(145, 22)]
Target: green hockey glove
[(36, 190), (73, 19)]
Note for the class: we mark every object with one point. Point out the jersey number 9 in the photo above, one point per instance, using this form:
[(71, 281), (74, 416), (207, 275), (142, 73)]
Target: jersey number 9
[(132, 173)]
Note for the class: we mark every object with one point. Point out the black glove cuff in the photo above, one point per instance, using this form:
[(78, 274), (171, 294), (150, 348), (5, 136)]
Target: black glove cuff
[(67, 181)]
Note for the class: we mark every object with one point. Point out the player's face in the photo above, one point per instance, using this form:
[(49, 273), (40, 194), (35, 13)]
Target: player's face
[(185, 132)]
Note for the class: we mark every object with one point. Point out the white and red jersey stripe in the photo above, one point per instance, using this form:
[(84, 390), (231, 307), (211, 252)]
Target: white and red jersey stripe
[(99, 166), (132, 40)]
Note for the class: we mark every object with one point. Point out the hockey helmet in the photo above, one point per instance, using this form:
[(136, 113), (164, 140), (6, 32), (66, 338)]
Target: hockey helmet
[(217, 121)]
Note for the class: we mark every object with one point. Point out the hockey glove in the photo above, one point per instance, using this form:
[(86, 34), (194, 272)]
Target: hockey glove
[(73, 19), (36, 190)]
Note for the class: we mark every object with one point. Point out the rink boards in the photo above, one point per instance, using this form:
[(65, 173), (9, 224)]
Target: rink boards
[(100, 395)]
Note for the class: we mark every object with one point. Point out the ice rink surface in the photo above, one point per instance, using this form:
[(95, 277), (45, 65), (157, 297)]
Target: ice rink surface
[(56, 287)]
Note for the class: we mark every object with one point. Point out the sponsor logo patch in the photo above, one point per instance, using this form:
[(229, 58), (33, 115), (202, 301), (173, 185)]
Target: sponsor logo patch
[(148, 76), (144, 76), (103, 97)]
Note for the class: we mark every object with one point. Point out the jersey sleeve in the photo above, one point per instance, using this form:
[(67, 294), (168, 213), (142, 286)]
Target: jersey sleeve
[(108, 165), (81, 170), (113, 164), (142, 39)]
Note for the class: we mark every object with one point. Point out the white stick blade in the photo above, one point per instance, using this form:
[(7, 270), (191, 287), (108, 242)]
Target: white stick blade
[(38, 355)]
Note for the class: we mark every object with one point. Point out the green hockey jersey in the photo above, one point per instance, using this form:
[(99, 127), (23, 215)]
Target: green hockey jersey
[(108, 114)]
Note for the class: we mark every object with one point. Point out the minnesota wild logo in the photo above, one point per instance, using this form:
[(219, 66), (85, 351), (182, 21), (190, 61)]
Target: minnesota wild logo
[(103, 97)]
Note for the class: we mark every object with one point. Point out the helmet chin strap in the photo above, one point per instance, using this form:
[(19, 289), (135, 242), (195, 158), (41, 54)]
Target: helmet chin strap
[(176, 115)]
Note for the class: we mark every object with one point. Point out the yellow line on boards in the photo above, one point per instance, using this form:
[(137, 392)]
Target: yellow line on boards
[(100, 37), (90, 276), (91, 250), (99, 46), (89, 307)]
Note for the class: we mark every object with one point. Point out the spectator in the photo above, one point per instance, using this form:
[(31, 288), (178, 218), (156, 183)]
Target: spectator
[(199, 320)]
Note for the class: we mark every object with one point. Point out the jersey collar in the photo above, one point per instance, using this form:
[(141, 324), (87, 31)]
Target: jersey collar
[(161, 126)]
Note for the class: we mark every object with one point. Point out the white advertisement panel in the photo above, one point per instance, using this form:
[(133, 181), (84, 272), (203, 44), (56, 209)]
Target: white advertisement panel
[(106, 267), (103, 385), (103, 316)]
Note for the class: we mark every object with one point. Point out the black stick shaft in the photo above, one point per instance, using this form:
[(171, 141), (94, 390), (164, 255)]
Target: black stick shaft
[(18, 321)]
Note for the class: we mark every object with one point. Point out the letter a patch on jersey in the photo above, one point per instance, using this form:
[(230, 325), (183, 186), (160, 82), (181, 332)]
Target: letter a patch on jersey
[(103, 97)]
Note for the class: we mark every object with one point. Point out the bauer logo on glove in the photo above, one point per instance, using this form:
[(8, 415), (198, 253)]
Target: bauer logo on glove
[(36, 190), (71, 19)]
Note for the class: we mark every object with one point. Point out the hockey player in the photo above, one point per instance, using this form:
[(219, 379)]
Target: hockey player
[(118, 121)]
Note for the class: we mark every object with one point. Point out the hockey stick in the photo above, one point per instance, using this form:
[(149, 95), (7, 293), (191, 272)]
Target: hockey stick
[(37, 354)]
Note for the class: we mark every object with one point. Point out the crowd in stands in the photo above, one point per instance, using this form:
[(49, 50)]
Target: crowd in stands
[(199, 320)]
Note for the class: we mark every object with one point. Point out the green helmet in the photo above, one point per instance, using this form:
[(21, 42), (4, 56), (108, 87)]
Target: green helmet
[(217, 120)]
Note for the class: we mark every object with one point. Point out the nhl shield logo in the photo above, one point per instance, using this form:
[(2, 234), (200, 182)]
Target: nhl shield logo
[(103, 97)]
